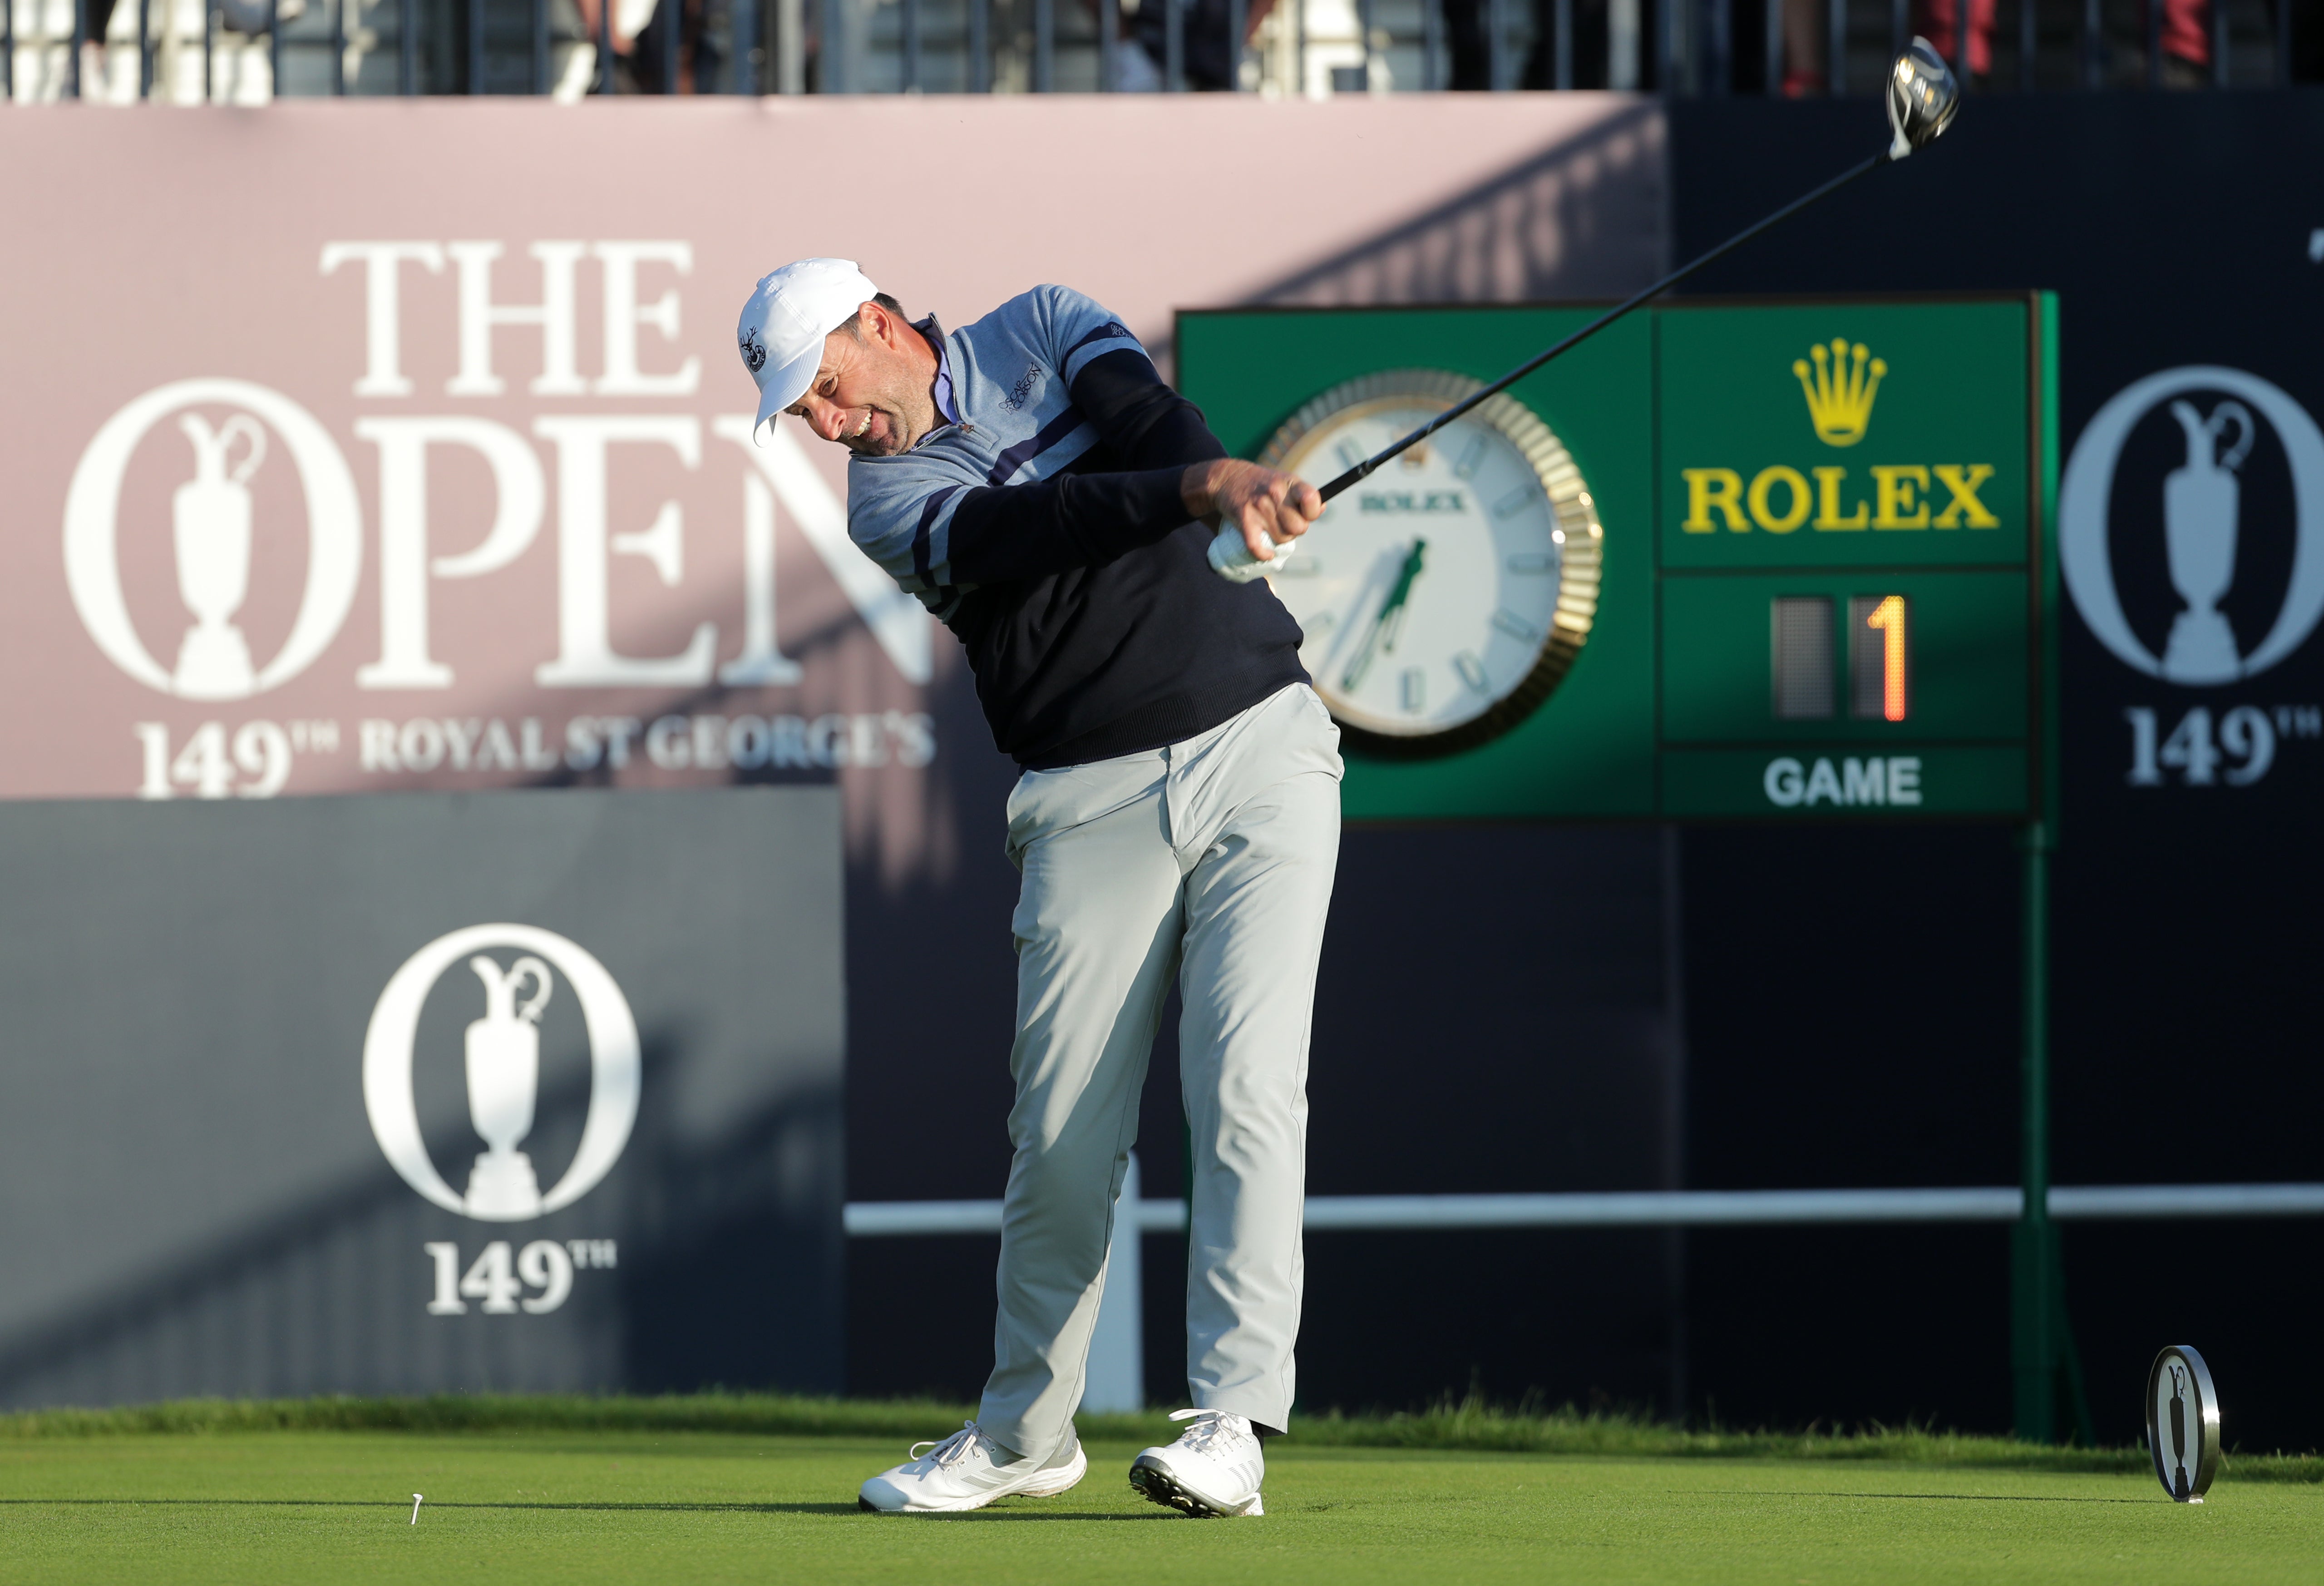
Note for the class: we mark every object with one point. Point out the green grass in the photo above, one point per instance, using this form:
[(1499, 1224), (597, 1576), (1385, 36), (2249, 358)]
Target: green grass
[(1471, 1425), (594, 1491)]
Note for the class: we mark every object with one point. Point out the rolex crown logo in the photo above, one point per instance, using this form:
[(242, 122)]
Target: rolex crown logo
[(1841, 392)]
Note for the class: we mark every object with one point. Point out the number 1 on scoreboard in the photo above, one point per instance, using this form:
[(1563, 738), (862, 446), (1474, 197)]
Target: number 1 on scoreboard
[(1879, 652)]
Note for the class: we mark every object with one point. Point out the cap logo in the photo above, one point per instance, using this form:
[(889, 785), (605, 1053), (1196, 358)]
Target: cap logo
[(754, 351)]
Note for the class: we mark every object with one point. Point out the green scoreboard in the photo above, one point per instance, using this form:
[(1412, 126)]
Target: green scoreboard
[(1786, 559)]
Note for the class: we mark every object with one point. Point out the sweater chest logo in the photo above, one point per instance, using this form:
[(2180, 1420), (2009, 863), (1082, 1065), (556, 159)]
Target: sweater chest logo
[(1022, 392)]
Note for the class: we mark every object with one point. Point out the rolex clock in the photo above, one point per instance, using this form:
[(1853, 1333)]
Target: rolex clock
[(1444, 597)]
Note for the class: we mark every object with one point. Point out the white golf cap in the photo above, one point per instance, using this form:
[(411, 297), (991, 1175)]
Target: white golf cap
[(790, 313)]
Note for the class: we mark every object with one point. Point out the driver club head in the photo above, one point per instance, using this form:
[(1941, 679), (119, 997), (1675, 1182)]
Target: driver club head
[(1924, 96)]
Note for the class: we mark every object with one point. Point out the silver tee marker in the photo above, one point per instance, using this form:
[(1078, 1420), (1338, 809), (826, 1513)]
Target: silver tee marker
[(415, 1508)]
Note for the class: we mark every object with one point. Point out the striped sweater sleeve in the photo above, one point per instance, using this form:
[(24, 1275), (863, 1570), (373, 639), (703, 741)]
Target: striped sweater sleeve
[(938, 535), (1086, 520)]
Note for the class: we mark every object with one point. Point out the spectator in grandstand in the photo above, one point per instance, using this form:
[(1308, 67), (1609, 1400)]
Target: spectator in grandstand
[(2186, 36), (2186, 43), (704, 58), (1470, 58), (1207, 59), (1938, 22), (1805, 30)]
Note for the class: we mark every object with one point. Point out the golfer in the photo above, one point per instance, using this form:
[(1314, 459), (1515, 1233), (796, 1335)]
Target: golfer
[(1032, 480)]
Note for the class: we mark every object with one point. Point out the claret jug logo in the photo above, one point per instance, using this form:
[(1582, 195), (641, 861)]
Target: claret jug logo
[(1841, 381), (2225, 444), (502, 1054), (216, 543), (1841, 397), (211, 518)]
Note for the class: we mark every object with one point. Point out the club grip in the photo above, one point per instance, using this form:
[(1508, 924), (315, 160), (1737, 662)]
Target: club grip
[(1231, 558)]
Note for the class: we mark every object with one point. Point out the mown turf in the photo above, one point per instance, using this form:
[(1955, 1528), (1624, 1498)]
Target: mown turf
[(572, 1505), (1471, 1425)]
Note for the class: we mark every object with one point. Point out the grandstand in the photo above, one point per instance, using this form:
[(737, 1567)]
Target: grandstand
[(246, 52)]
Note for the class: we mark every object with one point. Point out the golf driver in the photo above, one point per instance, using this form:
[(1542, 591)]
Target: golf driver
[(1922, 99)]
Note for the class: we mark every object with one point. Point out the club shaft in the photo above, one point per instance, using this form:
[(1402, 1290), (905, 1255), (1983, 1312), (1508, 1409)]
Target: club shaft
[(1363, 470)]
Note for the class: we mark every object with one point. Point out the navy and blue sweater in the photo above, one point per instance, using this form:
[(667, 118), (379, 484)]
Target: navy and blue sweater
[(1044, 527)]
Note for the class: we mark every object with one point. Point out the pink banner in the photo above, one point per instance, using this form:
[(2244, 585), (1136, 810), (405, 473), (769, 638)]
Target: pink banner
[(366, 446)]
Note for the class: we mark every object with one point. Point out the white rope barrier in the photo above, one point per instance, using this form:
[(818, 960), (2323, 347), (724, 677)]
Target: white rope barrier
[(1666, 1208)]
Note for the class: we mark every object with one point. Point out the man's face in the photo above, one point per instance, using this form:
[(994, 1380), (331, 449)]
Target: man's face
[(871, 394)]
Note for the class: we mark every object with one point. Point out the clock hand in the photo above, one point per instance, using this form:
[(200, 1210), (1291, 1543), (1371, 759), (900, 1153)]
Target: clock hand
[(1392, 613), (1388, 620)]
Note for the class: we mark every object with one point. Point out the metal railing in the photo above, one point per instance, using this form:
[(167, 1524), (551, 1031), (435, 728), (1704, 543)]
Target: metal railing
[(1665, 1209), (249, 50), (1115, 1373)]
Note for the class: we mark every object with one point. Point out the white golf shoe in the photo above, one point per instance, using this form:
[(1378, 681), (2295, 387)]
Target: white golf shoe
[(1212, 1470), (966, 1472)]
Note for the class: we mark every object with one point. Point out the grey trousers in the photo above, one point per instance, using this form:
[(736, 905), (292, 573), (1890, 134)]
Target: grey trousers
[(1211, 860)]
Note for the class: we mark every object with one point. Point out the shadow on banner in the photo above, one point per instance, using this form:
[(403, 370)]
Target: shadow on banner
[(233, 1168)]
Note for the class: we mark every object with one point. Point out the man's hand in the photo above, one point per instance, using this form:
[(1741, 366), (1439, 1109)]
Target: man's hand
[(1269, 508)]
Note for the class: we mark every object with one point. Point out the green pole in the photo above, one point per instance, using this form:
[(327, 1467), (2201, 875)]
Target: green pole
[(2039, 1344), (2035, 1329)]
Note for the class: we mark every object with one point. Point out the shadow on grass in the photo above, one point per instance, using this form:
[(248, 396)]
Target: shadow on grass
[(675, 1508), (1946, 1496), (980, 1515), (367, 1503)]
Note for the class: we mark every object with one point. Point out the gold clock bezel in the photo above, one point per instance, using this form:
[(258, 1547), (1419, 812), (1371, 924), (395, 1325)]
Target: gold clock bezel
[(1582, 551)]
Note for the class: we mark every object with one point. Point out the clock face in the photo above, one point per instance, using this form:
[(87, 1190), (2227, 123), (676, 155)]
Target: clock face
[(1443, 597)]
